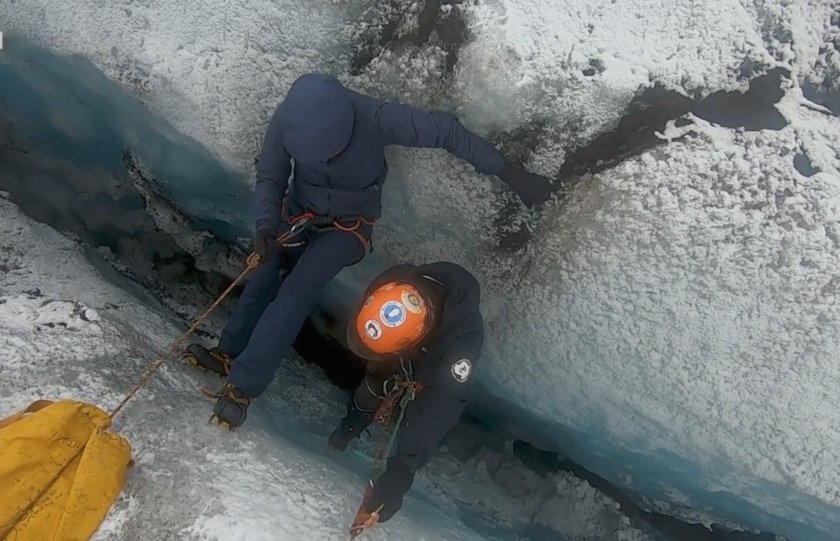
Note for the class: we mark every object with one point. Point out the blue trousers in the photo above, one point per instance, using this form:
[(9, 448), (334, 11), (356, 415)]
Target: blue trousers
[(270, 312)]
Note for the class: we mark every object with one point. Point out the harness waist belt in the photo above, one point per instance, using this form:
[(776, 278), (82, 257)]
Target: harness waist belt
[(338, 203)]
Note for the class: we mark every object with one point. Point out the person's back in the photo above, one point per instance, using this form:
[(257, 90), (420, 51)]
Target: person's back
[(337, 138), (332, 135)]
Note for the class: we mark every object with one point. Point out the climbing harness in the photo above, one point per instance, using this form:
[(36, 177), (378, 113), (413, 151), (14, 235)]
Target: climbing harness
[(63, 452), (404, 391), (350, 225), (252, 262), (299, 224)]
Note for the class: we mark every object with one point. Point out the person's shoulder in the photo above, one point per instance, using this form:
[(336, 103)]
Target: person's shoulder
[(314, 80), (452, 272), (448, 267), (364, 104)]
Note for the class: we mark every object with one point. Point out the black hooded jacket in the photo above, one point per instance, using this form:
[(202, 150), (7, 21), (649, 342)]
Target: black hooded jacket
[(445, 363)]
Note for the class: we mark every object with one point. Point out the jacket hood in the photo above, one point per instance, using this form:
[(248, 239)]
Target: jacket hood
[(318, 118)]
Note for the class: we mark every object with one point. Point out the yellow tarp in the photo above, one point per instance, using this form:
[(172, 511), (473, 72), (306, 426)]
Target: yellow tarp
[(59, 473)]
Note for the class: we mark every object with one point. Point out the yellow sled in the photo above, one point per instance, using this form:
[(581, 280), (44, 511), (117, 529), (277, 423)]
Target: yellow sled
[(60, 471)]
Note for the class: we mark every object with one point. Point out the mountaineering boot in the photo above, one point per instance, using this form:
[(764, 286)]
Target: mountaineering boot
[(351, 426), (231, 408), (213, 359)]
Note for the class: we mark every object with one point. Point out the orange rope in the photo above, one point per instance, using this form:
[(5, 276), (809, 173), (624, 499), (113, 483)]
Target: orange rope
[(253, 261)]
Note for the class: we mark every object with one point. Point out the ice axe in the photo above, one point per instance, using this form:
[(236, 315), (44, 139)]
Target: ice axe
[(364, 520), (397, 399)]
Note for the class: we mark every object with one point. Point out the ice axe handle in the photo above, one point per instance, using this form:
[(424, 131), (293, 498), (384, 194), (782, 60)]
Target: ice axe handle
[(364, 521)]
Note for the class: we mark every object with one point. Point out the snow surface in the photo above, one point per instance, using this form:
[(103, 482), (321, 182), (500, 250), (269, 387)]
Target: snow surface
[(530, 59), (673, 325), (795, 33), (68, 332), (192, 481), (700, 282)]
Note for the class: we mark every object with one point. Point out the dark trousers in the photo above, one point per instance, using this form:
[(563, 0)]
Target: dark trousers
[(270, 313)]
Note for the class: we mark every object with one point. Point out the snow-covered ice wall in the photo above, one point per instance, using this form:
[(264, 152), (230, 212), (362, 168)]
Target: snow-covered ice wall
[(62, 116), (670, 323)]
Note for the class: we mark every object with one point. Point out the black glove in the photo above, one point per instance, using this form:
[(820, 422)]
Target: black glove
[(389, 489), (351, 426), (265, 245), (532, 189)]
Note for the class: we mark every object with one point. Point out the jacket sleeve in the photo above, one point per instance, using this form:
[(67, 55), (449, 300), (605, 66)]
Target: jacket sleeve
[(428, 419), (370, 392), (408, 126), (273, 170), (439, 405)]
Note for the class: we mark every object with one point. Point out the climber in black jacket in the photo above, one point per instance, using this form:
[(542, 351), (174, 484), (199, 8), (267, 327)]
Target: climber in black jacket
[(417, 324)]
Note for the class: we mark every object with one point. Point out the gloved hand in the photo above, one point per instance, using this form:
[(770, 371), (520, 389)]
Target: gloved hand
[(265, 245), (339, 439), (389, 489), (351, 426), (532, 189)]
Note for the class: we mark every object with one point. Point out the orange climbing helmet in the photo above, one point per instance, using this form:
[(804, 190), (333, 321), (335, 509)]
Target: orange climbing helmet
[(394, 318)]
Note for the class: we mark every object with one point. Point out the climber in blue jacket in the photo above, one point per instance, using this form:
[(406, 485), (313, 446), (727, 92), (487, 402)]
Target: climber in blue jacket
[(337, 138)]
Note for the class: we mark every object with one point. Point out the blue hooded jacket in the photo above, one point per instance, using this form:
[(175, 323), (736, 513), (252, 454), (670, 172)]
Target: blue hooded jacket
[(337, 138)]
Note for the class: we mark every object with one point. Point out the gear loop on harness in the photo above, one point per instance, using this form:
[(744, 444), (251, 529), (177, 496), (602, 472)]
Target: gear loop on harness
[(346, 224)]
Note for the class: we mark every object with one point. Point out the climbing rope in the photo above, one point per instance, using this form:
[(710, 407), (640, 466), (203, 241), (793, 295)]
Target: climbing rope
[(405, 391), (252, 262), (398, 399)]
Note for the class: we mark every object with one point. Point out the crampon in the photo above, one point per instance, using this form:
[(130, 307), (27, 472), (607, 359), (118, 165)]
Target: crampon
[(231, 407), (212, 360)]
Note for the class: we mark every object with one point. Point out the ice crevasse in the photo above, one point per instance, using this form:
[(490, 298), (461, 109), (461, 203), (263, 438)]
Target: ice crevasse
[(670, 322)]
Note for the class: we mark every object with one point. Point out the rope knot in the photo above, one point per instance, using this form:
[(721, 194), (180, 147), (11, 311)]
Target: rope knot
[(403, 392)]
